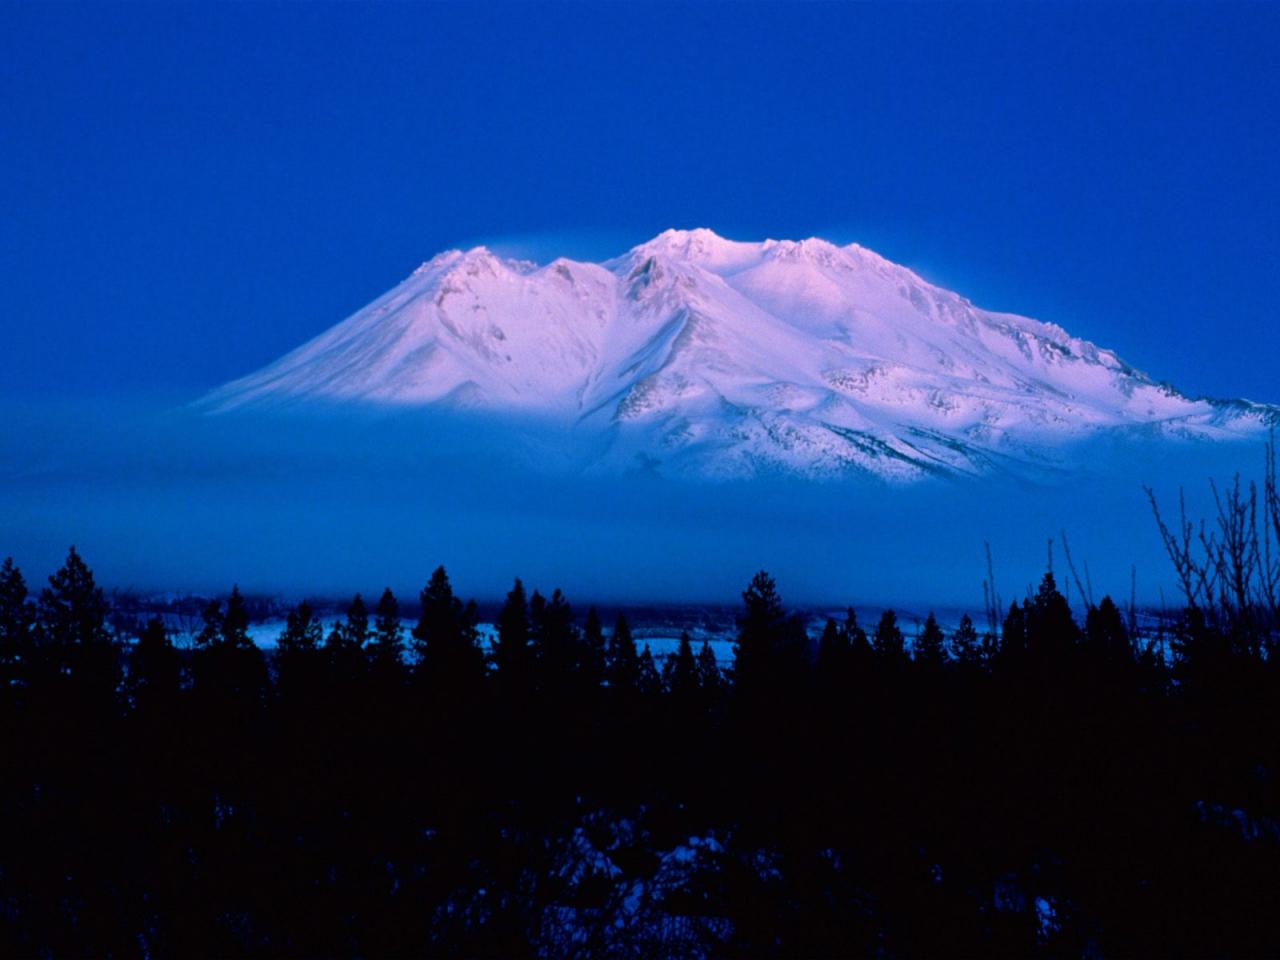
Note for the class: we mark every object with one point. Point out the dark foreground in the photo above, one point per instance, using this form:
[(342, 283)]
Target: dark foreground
[(1042, 788)]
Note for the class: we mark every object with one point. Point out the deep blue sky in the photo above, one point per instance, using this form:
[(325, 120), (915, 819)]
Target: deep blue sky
[(187, 192)]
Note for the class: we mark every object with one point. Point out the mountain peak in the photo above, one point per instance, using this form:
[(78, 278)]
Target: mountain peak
[(697, 354)]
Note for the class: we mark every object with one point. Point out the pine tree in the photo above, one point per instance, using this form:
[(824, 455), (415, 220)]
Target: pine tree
[(210, 634), (298, 657), (648, 682), (555, 640), (511, 654), (228, 667), (16, 620), (680, 673), (1051, 632), (356, 629), (930, 651), (385, 651), (446, 639), (1105, 634), (833, 650), (344, 647), (965, 646), (73, 608), (537, 626), (235, 622), (302, 633), (622, 663), (888, 642), (593, 650), (761, 629), (73, 625), (709, 677), (860, 653), (155, 669), (1013, 634)]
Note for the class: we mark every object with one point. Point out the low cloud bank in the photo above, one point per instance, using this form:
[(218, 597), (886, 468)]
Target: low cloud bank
[(163, 500)]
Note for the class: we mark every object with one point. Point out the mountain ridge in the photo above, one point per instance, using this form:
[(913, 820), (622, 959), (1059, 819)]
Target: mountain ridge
[(694, 354)]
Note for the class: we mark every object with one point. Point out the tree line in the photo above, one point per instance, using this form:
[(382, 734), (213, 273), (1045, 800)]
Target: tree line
[(1042, 785)]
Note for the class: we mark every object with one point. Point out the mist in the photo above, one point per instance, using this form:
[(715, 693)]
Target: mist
[(164, 498)]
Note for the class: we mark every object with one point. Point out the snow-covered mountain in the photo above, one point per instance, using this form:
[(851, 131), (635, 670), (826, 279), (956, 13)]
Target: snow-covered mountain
[(693, 354)]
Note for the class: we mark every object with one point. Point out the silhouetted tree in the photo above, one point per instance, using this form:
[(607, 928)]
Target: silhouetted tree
[(1049, 622), (593, 650), (155, 670), (622, 664), (511, 653), (228, 668), (1105, 635), (302, 633), (834, 649), (710, 679), (73, 629), (447, 641), (930, 650), (344, 646), (887, 641), (298, 657), (235, 622), (648, 681), (1013, 634), (16, 621), (680, 673), (555, 641), (385, 651), (1064, 799), (761, 629), (965, 645)]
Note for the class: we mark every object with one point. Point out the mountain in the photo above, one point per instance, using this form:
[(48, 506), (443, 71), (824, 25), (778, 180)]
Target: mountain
[(696, 355)]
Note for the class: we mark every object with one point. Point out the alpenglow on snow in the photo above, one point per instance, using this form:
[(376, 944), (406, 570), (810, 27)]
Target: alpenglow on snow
[(695, 355)]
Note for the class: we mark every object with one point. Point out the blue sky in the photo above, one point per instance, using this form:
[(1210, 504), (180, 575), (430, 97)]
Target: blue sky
[(186, 191)]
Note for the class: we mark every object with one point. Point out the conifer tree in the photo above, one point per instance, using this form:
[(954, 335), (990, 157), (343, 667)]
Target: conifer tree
[(344, 647), (648, 681), (1105, 634), (73, 625), (593, 650), (1013, 634), (73, 608), (622, 663), (16, 619), (761, 629), (298, 651), (537, 626), (385, 651), (680, 673), (210, 634), (511, 654), (930, 651), (965, 646), (859, 646), (555, 639), (709, 677), (1051, 631), (154, 669), (235, 622), (228, 665), (833, 650), (888, 642), (356, 629), (446, 639), (302, 632)]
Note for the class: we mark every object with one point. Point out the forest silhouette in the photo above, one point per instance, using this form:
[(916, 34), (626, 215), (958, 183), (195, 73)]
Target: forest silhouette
[(1031, 784)]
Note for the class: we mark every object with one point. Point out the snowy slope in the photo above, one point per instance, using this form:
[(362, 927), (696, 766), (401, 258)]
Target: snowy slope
[(697, 355)]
